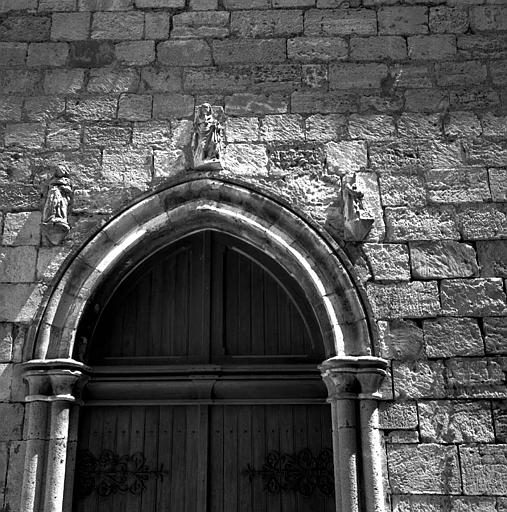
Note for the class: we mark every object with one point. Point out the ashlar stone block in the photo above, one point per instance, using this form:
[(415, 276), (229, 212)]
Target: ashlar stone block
[(473, 297), (442, 259), (388, 261), (346, 156), (419, 379), (22, 228), (451, 337), (402, 340), (425, 468), (484, 470), (398, 415), (17, 264), (495, 330), (450, 421), (246, 159)]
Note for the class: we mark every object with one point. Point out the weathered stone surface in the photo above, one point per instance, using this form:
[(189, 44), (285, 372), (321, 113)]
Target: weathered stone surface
[(242, 129), (44, 108), (25, 135), (169, 162), (244, 104), (167, 106), (428, 469), (437, 260), (388, 261), (402, 189), (200, 24), (10, 108), (323, 128), (92, 109), (346, 156), (403, 20), (156, 25), (493, 258), (450, 421), (72, 26), (378, 48), (476, 378), (19, 302), (495, 330), (460, 73), (245, 159), (63, 81), (404, 224), (161, 79), (395, 156), (213, 79), (483, 222), (443, 19), (425, 126), (117, 26), (419, 379), (282, 128), (107, 80), (49, 261), (17, 264), (184, 53), (25, 28), (402, 340), (356, 76), (484, 469), (426, 100), (311, 49), (63, 136), (470, 98), (473, 297), (398, 415), (483, 152), (6, 343), (323, 102), (371, 127), (500, 420), (244, 50), (498, 183), (450, 337), (462, 124), (402, 437), (494, 125), (130, 167), (11, 426), (296, 159), (340, 22), (152, 133), (443, 504), (22, 228), (135, 107), (411, 76), (267, 23), (435, 47), (410, 300), (135, 53)]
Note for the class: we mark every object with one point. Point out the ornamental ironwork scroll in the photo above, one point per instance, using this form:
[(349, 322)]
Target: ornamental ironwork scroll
[(302, 472), (110, 473)]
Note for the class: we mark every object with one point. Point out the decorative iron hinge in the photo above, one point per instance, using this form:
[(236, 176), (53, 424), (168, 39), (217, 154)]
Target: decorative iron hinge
[(109, 473), (303, 472)]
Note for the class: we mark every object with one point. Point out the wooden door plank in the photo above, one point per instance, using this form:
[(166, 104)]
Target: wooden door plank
[(217, 334), (259, 452), (165, 456), (230, 459), (244, 456), (216, 465), (202, 456), (274, 501), (257, 310), (192, 459), (286, 426), (179, 459), (150, 451), (244, 306)]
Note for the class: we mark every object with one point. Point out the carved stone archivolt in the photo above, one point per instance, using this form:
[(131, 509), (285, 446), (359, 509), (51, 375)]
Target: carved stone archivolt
[(207, 138), (55, 213)]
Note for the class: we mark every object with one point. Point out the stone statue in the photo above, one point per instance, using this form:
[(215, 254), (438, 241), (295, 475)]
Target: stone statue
[(357, 223), (207, 138), (55, 220)]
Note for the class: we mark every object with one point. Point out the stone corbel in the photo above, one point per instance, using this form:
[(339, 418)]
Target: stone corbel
[(357, 223), (54, 388), (353, 385), (207, 138), (57, 196)]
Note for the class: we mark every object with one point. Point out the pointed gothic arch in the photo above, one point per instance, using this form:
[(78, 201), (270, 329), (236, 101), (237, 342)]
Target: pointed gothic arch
[(351, 372)]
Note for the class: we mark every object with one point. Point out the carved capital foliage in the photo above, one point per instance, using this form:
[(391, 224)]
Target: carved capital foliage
[(49, 380), (353, 377)]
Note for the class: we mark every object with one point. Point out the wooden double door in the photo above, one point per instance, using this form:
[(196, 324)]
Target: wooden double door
[(204, 394)]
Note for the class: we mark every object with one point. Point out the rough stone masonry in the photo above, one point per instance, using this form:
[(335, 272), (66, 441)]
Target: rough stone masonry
[(411, 95)]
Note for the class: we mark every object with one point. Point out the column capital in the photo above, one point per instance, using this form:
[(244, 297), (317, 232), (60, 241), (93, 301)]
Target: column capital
[(54, 379), (353, 377)]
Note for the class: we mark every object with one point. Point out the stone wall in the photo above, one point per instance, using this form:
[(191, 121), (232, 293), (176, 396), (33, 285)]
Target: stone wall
[(409, 94)]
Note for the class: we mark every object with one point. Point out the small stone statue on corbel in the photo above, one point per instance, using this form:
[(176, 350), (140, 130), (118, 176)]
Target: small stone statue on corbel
[(357, 223), (207, 139), (57, 199)]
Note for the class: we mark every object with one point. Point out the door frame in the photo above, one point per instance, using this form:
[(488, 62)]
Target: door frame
[(352, 372)]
